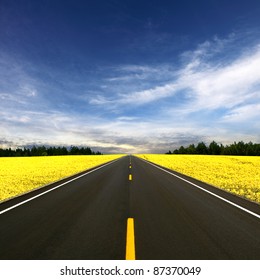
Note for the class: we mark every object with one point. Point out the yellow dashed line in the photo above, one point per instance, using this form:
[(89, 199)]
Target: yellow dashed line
[(130, 177)]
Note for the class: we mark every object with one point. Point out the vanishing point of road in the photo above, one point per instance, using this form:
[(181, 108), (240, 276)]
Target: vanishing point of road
[(129, 209)]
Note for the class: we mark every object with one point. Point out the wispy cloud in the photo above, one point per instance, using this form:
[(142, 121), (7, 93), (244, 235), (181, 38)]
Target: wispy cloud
[(211, 86), (137, 98), (224, 86), (244, 114)]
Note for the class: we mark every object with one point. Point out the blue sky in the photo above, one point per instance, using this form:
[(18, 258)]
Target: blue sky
[(129, 76)]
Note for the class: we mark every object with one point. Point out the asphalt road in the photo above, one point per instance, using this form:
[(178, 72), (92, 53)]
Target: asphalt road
[(87, 218)]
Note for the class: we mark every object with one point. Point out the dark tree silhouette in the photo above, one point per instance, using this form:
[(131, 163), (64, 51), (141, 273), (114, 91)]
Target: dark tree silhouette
[(240, 148), (47, 151)]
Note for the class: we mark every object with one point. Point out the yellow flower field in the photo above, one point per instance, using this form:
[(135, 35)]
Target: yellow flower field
[(22, 174), (237, 174)]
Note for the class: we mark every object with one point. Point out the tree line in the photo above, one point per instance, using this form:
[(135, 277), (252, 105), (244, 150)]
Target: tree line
[(46, 151), (239, 149)]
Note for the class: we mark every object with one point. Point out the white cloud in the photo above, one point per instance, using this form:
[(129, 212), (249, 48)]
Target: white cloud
[(243, 114), (127, 118), (147, 96), (209, 86), (136, 98), (100, 100), (226, 86)]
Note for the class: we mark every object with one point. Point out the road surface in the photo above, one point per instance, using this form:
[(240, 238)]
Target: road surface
[(86, 218)]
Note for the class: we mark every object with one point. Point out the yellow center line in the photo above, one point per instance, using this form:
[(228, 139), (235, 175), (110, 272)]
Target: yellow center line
[(130, 177), (130, 240), (130, 166)]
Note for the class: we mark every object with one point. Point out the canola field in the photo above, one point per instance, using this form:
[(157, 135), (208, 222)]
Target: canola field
[(239, 175), (21, 174)]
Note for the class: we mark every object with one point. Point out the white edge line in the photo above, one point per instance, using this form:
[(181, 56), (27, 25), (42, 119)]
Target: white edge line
[(38, 195), (232, 203)]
